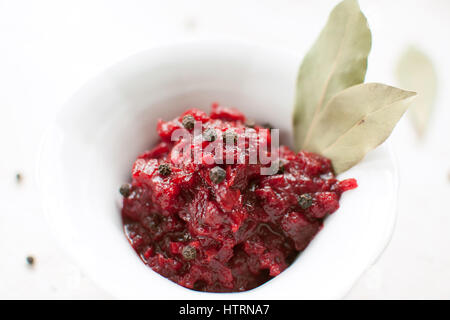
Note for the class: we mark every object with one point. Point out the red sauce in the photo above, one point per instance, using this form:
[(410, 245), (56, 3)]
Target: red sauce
[(232, 235)]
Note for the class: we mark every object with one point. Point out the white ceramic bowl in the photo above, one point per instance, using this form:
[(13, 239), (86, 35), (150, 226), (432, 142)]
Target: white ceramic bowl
[(89, 151)]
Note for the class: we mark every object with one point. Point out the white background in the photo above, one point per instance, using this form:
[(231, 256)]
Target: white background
[(48, 49)]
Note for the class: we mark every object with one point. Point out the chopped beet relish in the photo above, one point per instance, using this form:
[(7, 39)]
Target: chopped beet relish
[(233, 233)]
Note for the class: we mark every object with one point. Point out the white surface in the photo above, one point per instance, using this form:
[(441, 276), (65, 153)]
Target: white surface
[(97, 135), (50, 48)]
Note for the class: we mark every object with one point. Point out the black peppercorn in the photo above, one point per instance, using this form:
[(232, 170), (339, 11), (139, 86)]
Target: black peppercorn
[(250, 123), (305, 201), (267, 126), (217, 174), (230, 136), (189, 253), (125, 190), (30, 260), (210, 135), (164, 169), (281, 166), (278, 166), (151, 222), (188, 122), (185, 237), (18, 177)]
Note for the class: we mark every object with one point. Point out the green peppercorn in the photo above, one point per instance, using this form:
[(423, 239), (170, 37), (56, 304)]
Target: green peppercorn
[(164, 169), (249, 123), (281, 166), (230, 136), (210, 135), (125, 190), (305, 201), (267, 126), (189, 253), (185, 237), (278, 166), (151, 222), (19, 177), (188, 122), (217, 174), (30, 260)]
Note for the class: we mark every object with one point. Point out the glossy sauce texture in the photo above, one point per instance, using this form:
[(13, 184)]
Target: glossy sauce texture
[(231, 235)]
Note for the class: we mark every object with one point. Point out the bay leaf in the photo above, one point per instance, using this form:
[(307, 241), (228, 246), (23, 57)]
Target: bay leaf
[(416, 72), (356, 120), (336, 61)]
